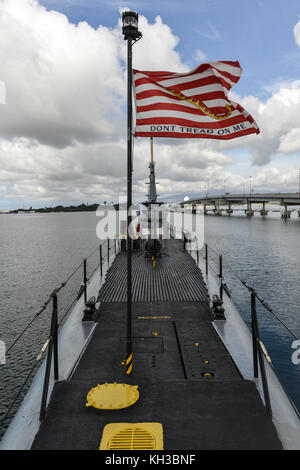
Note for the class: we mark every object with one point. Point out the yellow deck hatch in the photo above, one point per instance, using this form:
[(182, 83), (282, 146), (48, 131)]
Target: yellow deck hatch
[(112, 396), (132, 436)]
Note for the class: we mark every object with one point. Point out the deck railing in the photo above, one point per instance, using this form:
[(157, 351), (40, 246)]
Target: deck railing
[(258, 349), (104, 254)]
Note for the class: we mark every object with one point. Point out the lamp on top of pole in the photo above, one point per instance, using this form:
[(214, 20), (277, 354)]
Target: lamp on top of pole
[(131, 33)]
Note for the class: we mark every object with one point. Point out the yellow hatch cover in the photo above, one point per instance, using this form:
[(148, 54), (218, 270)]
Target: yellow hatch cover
[(132, 436), (112, 396)]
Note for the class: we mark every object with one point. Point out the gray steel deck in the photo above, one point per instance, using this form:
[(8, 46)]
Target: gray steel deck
[(220, 412)]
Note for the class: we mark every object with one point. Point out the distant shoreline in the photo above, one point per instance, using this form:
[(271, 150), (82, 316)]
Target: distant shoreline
[(60, 208)]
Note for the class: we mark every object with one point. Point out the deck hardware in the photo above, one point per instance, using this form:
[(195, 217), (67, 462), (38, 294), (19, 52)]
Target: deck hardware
[(112, 396), (155, 333), (196, 344), (132, 436), (90, 309), (207, 374), (217, 308)]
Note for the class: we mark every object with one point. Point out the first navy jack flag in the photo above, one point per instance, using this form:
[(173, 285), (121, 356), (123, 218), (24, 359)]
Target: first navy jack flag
[(193, 104)]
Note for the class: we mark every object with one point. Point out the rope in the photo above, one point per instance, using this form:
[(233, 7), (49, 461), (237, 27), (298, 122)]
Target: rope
[(18, 394), (55, 291), (251, 289)]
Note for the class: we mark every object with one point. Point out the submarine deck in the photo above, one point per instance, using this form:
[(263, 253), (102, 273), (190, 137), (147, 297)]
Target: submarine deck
[(175, 347)]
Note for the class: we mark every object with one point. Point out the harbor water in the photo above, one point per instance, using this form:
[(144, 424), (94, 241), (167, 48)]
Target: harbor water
[(39, 251)]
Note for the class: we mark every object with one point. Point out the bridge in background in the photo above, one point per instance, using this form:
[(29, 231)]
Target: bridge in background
[(217, 203)]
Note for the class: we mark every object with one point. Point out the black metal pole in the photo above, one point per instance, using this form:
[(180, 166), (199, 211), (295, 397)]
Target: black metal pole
[(261, 362), (84, 281), (220, 266), (101, 269), (206, 259), (54, 336), (52, 343), (108, 251), (254, 345), (129, 203)]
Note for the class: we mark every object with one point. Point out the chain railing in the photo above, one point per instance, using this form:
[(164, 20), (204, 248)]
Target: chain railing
[(258, 349), (105, 254)]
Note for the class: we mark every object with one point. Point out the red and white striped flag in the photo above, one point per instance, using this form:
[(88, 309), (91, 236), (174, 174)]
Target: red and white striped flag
[(193, 104)]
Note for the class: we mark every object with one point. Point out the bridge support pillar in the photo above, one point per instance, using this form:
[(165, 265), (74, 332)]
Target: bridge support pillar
[(286, 214), (229, 210), (217, 210), (249, 211), (264, 211)]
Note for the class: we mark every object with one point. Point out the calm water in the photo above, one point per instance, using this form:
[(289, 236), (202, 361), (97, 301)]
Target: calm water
[(38, 252)]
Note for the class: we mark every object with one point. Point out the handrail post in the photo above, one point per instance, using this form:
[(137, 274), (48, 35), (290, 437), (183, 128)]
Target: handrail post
[(254, 344), (101, 267), (84, 281), (220, 266), (206, 259), (54, 336), (221, 290), (53, 342), (261, 358), (108, 251)]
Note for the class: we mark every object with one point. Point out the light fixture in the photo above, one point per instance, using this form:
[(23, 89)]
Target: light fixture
[(130, 25)]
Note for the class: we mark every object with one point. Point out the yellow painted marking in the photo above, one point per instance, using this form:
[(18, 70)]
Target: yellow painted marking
[(129, 359), (128, 371)]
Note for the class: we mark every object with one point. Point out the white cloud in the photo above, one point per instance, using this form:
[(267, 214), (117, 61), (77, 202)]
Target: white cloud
[(63, 129), (200, 56), (297, 33)]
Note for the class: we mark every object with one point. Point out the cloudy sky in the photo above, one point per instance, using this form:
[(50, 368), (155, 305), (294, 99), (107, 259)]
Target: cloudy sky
[(63, 97)]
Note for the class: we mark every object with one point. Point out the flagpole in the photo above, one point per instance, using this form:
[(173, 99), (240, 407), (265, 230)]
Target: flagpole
[(129, 203), (130, 31)]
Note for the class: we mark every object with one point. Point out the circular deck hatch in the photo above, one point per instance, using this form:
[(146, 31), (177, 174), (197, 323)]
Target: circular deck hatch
[(112, 396)]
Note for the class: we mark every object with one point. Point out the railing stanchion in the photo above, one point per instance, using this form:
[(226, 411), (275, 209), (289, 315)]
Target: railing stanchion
[(220, 266), (54, 336), (206, 259), (84, 281), (254, 343), (108, 251), (53, 342), (101, 267), (261, 358)]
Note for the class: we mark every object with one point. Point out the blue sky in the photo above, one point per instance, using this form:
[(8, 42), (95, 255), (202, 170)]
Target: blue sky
[(258, 33), (62, 135)]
